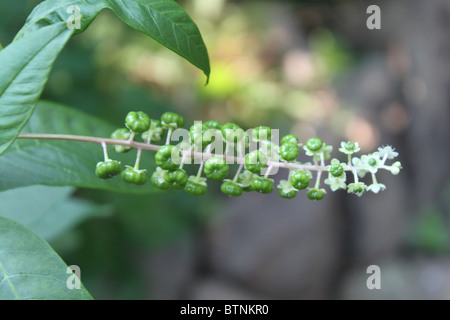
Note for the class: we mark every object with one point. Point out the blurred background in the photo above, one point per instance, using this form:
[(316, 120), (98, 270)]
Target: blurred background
[(311, 68)]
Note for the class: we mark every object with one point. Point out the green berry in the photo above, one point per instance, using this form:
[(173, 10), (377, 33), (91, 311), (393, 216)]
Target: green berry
[(315, 194), (107, 169), (176, 179), (255, 161), (336, 170), (314, 144), (289, 138), (287, 194), (216, 168), (137, 122), (299, 179), (200, 133), (131, 175), (121, 134), (232, 132), (372, 162), (164, 157), (196, 189), (262, 185), (212, 124), (158, 180), (231, 188), (349, 146), (289, 151), (196, 134), (172, 119), (261, 132)]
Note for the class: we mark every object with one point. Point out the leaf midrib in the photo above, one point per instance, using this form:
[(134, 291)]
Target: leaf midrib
[(9, 281), (29, 61)]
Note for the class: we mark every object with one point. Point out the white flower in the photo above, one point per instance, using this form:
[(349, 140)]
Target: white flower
[(349, 147), (357, 188), (286, 186), (376, 187), (308, 152), (387, 151), (326, 151), (159, 175), (246, 178), (356, 162), (198, 180), (371, 162), (336, 183), (334, 167)]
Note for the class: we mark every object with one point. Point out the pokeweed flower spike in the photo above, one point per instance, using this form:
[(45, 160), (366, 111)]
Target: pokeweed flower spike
[(254, 166)]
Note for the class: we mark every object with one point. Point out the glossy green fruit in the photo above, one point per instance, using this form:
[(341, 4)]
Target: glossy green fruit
[(289, 138), (121, 134), (196, 135), (133, 176), (255, 161), (194, 188), (315, 194), (176, 179), (262, 185), (137, 122), (158, 179), (212, 124), (172, 118), (287, 194), (107, 169), (289, 151), (231, 132), (299, 179), (314, 144), (200, 135), (165, 157), (231, 188), (216, 168), (262, 132), (336, 170)]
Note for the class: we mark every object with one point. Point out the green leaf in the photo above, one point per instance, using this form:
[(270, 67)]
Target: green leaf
[(48, 211), (163, 20), (65, 163), (30, 269), (26, 64), (167, 23)]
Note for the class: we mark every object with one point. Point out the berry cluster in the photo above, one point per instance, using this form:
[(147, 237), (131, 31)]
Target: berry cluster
[(255, 166)]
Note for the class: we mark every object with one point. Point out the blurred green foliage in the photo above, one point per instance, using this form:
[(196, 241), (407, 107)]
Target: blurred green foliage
[(431, 234)]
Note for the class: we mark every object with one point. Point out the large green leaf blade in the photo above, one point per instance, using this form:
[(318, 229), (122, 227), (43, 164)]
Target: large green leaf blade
[(166, 22), (163, 20), (48, 211), (65, 163), (25, 66), (30, 269)]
